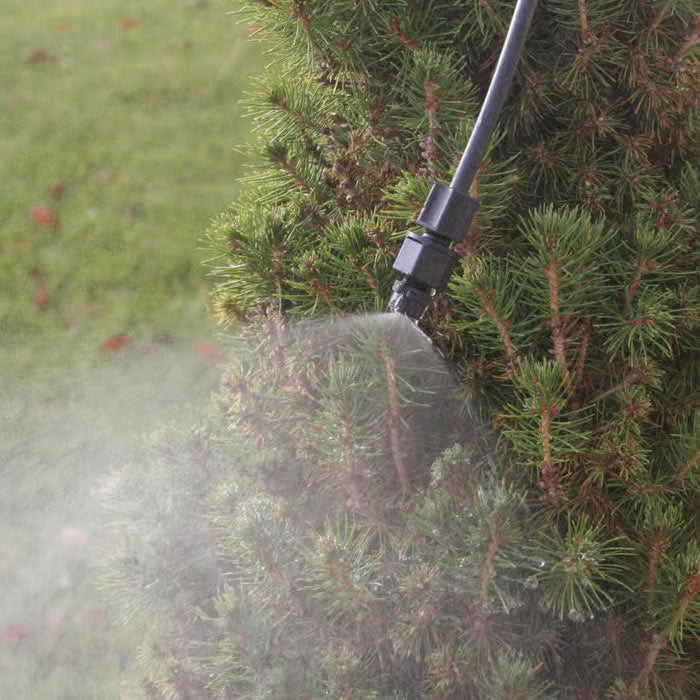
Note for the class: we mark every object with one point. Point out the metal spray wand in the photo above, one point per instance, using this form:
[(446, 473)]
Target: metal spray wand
[(425, 261)]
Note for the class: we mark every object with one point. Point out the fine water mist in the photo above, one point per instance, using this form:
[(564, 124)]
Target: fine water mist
[(368, 398), (61, 430)]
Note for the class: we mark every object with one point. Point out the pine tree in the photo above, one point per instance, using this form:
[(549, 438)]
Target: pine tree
[(349, 544)]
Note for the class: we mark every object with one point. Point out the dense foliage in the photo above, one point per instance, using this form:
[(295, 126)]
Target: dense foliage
[(339, 552)]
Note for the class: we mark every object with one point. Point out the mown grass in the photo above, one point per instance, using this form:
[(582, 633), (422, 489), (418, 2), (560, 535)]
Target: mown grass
[(118, 121), (131, 110)]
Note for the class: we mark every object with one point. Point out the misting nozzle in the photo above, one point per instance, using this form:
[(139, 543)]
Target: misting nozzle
[(425, 260), (409, 300)]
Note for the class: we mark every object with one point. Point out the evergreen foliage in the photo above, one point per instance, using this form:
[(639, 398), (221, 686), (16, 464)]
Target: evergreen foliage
[(326, 561)]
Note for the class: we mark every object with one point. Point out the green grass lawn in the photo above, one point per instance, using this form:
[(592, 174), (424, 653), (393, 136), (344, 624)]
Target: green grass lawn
[(130, 112), (118, 122)]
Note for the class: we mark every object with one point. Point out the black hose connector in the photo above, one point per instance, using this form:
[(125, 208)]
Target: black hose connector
[(425, 260)]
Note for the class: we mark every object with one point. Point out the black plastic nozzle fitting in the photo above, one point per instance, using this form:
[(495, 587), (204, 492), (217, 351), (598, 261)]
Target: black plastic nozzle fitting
[(448, 212), (425, 260)]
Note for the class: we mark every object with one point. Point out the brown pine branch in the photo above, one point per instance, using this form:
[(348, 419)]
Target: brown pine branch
[(375, 235), (340, 570), (643, 267), (582, 351), (354, 475), (432, 106), (636, 376), (487, 569), (493, 15), (692, 589), (660, 15), (277, 269), (474, 187), (693, 39), (658, 547), (284, 164), (322, 289), (586, 34), (551, 482), (692, 462), (401, 37), (295, 596), (395, 426), (659, 642), (368, 275), (655, 648), (429, 148), (298, 116), (558, 331), (486, 299), (299, 9), (288, 168)]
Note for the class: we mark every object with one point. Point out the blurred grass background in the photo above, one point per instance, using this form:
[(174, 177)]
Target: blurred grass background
[(118, 121), (117, 126)]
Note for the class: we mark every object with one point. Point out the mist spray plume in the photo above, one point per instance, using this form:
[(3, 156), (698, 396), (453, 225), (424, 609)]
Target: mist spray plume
[(296, 542), (62, 429)]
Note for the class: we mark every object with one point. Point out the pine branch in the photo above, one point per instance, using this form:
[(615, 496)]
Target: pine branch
[(303, 120), (494, 17), (643, 266), (582, 353), (657, 549), (586, 35), (356, 483), (298, 9), (486, 299), (637, 376), (661, 15), (429, 148), (559, 338), (487, 568), (322, 289), (658, 643), (690, 464), (394, 422), (551, 481), (280, 157), (688, 43)]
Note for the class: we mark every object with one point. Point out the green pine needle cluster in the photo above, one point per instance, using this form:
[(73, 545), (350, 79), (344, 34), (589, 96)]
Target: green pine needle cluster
[(351, 541)]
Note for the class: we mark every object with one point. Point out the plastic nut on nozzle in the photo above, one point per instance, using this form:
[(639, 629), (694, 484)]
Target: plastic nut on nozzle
[(425, 263), (408, 299), (425, 260), (448, 212)]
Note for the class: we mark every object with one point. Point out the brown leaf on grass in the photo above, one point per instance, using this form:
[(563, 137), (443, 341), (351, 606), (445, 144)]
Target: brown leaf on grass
[(14, 634), (22, 244), (208, 351), (128, 23), (62, 27), (98, 618), (40, 56), (116, 343), (108, 176), (43, 215), (74, 539), (41, 297)]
